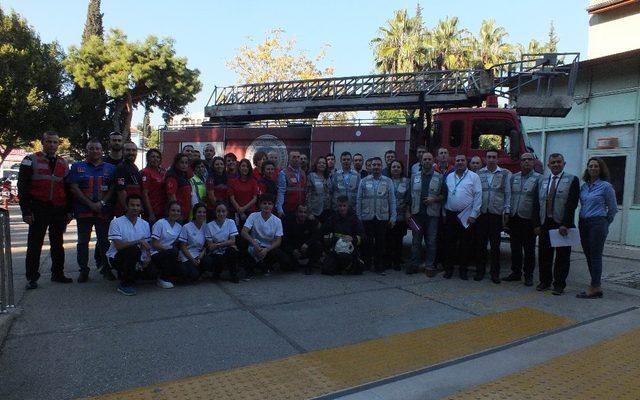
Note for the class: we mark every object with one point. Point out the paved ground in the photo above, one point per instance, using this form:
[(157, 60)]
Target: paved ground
[(76, 340)]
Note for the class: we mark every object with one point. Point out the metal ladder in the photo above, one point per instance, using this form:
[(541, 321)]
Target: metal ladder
[(416, 90)]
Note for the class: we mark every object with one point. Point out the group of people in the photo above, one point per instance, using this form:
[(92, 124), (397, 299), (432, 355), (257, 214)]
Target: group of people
[(223, 217)]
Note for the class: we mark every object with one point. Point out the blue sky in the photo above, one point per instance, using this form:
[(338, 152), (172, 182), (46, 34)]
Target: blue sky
[(209, 33)]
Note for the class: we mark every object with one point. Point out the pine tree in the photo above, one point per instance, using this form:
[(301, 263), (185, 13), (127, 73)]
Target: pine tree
[(93, 24)]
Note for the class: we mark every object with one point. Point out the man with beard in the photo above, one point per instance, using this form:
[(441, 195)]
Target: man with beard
[(115, 154)]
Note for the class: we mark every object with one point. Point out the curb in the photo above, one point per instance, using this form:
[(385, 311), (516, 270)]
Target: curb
[(6, 321)]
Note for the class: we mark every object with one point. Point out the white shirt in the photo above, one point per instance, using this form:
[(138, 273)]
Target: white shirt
[(463, 192), (217, 233), (122, 229), (264, 232), (194, 238), (164, 233)]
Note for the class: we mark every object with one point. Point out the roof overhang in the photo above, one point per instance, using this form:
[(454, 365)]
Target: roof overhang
[(597, 7)]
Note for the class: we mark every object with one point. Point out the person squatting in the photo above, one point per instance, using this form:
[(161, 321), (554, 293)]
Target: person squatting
[(223, 218)]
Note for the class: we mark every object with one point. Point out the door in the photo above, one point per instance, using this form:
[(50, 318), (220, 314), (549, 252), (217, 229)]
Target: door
[(617, 164)]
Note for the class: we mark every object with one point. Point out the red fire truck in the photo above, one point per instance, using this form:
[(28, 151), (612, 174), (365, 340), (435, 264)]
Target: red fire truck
[(241, 119)]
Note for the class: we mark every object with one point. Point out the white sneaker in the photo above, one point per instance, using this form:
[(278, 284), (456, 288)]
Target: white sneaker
[(164, 284)]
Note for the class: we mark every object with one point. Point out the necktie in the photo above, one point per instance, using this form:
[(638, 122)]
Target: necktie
[(551, 195)]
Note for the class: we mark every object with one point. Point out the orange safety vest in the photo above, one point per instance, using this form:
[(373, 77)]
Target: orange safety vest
[(48, 186), (295, 193)]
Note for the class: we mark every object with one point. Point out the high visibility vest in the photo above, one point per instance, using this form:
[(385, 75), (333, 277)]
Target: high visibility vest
[(48, 186), (295, 193)]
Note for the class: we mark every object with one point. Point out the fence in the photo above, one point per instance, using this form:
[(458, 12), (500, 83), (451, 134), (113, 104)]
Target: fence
[(6, 266)]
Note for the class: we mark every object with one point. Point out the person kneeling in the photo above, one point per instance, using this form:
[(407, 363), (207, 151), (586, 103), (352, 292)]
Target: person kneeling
[(129, 250), (263, 231), (345, 232), (192, 240), (301, 240), (164, 253), (221, 243)]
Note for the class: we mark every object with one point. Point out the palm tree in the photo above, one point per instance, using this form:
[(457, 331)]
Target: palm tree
[(399, 46), (448, 46), (490, 47)]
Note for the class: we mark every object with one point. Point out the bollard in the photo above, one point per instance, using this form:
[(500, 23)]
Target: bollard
[(6, 266)]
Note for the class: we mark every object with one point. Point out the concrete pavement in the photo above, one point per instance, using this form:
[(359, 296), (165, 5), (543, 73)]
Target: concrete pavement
[(78, 340)]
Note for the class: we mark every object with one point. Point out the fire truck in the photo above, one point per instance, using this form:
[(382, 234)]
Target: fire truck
[(457, 110)]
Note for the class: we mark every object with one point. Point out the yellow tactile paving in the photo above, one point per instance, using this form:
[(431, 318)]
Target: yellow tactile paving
[(317, 373), (609, 370)]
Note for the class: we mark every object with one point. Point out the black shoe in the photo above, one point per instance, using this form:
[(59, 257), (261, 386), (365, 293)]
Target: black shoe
[(430, 272), (495, 279), (447, 274), (83, 277), (411, 269), (60, 279), (31, 285), (478, 276), (234, 279), (585, 295), (512, 278), (542, 287), (528, 281), (464, 276), (107, 274), (557, 291), (308, 271)]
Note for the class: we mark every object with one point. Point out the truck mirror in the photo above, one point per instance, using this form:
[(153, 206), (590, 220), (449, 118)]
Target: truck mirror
[(515, 137)]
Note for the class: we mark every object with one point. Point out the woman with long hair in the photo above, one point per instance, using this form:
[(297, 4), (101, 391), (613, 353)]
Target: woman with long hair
[(598, 207), (319, 189), (217, 187), (267, 182), (243, 191), (153, 193), (396, 234), (177, 185)]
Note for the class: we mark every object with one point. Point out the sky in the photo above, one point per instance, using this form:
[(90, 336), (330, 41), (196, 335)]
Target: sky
[(208, 32)]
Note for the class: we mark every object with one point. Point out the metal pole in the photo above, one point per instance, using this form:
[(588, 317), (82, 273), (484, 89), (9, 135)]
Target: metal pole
[(3, 270), (8, 260)]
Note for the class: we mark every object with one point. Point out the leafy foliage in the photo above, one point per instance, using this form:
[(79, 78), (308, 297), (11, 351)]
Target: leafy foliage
[(31, 84), (134, 73)]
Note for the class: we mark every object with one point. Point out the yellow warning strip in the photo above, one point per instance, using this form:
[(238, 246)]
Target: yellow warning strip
[(607, 370), (321, 372)]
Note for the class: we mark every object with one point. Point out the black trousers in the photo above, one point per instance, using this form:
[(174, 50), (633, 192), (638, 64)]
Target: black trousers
[(217, 262), (550, 271), (313, 253), (167, 263), (374, 246), (459, 243), (394, 241), (55, 220), (487, 229), (275, 256), (441, 243), (125, 263), (523, 240), (335, 263)]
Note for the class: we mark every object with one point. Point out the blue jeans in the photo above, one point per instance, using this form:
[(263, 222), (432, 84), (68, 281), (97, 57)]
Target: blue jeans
[(593, 233), (429, 233)]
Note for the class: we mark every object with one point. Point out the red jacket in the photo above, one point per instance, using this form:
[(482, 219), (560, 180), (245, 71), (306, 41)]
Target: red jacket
[(295, 193)]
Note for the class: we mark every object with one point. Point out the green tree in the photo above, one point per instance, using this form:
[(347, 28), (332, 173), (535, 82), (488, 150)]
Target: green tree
[(147, 74), (277, 58), (449, 45), (31, 84), (400, 44), (87, 106), (552, 39), (490, 47)]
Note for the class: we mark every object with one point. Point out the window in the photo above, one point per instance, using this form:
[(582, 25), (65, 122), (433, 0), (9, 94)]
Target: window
[(491, 134), (456, 133), (617, 166), (636, 197)]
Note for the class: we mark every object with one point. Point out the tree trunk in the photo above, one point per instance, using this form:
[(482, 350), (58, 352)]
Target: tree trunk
[(126, 132), (116, 117)]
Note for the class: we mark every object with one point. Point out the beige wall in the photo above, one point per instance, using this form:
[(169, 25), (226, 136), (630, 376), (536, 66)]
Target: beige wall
[(614, 31)]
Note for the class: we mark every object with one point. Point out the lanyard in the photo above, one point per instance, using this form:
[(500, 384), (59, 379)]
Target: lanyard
[(458, 182), (346, 177), (376, 183)]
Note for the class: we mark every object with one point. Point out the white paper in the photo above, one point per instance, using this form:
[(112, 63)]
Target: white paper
[(557, 240), (464, 216)]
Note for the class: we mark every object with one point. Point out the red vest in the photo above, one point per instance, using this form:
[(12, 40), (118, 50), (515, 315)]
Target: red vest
[(295, 193), (48, 186)]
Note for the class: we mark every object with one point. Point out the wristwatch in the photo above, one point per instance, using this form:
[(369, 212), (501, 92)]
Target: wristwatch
[(103, 203)]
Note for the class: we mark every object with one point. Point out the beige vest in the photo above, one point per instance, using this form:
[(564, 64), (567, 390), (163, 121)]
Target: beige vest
[(523, 191), (435, 189), (374, 203), (562, 195), (493, 195)]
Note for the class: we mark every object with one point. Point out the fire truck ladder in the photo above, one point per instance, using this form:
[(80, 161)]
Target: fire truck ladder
[(528, 84)]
